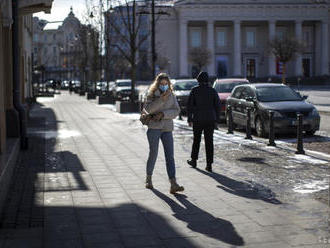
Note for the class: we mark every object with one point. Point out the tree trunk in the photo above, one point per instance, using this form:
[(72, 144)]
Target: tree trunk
[(133, 78), (283, 73)]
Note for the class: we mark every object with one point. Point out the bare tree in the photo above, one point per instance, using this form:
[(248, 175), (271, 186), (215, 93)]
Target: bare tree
[(199, 57), (125, 25), (91, 42), (121, 66), (284, 50)]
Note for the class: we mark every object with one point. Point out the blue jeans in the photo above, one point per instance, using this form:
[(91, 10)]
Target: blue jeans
[(167, 139)]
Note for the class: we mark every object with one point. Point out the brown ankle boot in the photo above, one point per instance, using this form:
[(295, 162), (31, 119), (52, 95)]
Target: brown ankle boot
[(175, 187)]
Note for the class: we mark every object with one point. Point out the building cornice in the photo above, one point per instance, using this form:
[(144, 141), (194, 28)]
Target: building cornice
[(34, 6), (255, 12), (250, 2), (25, 7)]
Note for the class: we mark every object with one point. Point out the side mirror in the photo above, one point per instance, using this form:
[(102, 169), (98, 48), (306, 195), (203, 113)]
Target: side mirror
[(304, 97)]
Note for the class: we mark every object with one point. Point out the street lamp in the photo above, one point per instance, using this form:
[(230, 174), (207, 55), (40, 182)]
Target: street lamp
[(153, 34)]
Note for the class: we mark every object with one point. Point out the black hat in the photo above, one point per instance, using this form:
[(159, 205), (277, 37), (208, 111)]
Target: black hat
[(203, 77)]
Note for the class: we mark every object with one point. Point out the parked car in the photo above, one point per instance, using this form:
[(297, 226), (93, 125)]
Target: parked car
[(143, 94), (224, 87), (101, 87), (65, 85), (182, 88), (122, 89), (284, 101)]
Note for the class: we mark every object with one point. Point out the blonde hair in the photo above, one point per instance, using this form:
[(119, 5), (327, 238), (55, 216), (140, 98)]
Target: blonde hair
[(155, 85)]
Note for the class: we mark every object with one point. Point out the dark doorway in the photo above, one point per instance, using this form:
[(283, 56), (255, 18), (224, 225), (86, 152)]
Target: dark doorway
[(307, 67), (222, 66), (250, 68)]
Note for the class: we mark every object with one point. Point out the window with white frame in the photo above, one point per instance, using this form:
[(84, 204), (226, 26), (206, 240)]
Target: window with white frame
[(307, 36), (196, 37), (250, 37), (221, 37)]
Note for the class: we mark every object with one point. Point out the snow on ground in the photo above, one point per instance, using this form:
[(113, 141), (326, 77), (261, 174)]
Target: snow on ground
[(60, 134), (307, 159), (312, 186)]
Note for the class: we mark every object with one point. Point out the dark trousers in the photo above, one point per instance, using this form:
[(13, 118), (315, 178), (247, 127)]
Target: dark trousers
[(208, 128)]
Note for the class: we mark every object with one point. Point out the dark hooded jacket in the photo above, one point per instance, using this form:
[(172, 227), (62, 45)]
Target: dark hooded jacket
[(203, 102)]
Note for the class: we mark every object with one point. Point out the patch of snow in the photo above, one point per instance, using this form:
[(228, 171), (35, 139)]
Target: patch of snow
[(311, 187), (307, 159), (45, 99), (61, 134)]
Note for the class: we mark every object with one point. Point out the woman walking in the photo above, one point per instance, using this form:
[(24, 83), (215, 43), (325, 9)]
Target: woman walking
[(163, 107)]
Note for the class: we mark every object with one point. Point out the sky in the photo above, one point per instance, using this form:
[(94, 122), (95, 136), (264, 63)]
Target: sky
[(61, 9)]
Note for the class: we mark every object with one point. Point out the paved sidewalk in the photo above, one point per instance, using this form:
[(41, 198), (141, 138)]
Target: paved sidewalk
[(81, 184)]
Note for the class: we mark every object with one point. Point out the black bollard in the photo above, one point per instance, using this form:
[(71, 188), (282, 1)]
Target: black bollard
[(271, 129), (180, 116), (230, 120), (248, 124), (300, 146)]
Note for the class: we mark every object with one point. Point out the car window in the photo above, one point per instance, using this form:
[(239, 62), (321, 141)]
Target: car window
[(277, 94), (237, 92), (121, 84), (185, 85), (247, 93), (227, 87)]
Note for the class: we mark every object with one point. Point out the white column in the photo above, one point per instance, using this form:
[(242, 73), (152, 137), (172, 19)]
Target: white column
[(298, 31), (237, 48), (271, 59), (210, 46), (183, 48), (325, 48)]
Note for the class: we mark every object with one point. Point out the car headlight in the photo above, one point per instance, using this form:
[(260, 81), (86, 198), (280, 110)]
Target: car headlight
[(277, 114), (314, 112)]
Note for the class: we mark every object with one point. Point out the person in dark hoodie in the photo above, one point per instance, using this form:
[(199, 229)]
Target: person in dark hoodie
[(203, 115)]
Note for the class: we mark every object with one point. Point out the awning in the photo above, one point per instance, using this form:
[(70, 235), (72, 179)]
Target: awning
[(34, 6), (25, 7)]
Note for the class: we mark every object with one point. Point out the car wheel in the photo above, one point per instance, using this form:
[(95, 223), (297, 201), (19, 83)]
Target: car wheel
[(260, 128), (311, 132)]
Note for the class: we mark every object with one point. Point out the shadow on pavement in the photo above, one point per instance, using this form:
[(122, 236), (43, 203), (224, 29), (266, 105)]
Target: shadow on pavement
[(201, 221), (253, 160), (248, 189), (49, 202)]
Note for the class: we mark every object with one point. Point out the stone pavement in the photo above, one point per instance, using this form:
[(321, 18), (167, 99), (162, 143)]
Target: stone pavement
[(81, 184)]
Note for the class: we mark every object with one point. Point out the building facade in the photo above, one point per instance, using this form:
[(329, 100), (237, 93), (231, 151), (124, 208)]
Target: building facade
[(56, 48), (15, 79), (237, 34)]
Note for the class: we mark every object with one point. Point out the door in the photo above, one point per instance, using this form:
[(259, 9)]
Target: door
[(222, 66), (306, 67), (246, 94), (250, 68), (235, 103)]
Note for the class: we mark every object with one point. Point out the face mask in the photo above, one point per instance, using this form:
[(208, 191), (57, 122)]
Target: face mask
[(163, 87)]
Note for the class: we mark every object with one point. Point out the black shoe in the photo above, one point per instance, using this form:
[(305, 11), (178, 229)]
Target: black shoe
[(192, 163), (208, 168)]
